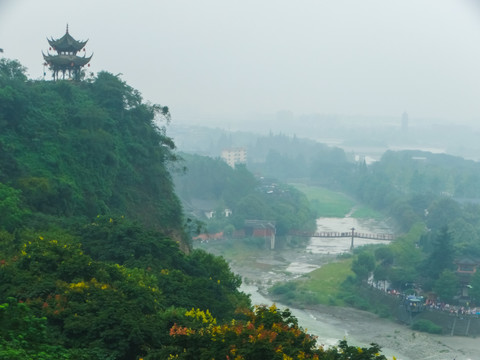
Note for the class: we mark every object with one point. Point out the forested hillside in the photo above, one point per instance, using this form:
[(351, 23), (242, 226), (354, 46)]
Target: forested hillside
[(91, 232), (95, 261), (85, 148), (213, 184)]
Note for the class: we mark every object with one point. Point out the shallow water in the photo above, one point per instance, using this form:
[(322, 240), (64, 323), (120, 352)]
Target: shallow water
[(289, 264), (358, 328), (327, 335), (327, 329), (330, 325), (335, 246)]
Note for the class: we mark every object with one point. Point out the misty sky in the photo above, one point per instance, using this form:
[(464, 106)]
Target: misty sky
[(220, 58)]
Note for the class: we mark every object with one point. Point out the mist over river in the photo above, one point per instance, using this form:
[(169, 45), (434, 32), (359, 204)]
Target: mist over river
[(331, 324)]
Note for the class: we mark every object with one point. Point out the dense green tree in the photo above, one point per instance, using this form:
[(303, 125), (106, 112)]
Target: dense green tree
[(442, 212), (441, 256), (12, 70), (384, 255), (465, 238), (363, 265), (404, 214), (24, 335), (407, 257), (12, 210), (475, 287), (446, 286)]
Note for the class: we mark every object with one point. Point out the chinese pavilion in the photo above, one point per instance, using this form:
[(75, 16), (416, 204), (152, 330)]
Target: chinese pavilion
[(66, 61)]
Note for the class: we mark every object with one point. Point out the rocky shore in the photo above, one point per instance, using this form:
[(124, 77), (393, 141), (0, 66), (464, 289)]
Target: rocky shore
[(331, 324), (396, 339)]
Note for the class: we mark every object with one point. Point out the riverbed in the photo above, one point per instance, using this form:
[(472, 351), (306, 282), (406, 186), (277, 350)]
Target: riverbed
[(331, 324)]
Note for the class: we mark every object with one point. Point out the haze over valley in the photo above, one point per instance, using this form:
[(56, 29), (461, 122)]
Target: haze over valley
[(239, 180)]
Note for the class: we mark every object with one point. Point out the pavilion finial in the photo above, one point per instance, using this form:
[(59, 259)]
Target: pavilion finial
[(67, 28)]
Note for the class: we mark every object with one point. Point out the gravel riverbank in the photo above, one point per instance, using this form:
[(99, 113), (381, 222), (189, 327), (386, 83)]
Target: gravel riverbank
[(361, 328), (331, 324)]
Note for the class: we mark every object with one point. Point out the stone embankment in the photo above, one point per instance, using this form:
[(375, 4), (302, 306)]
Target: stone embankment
[(452, 322)]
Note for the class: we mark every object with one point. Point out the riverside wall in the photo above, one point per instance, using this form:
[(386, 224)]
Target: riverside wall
[(451, 323)]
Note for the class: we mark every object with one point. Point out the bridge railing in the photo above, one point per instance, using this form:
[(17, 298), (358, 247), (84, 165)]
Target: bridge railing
[(334, 234)]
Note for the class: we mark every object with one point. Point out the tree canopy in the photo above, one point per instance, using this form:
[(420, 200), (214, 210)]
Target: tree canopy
[(94, 258)]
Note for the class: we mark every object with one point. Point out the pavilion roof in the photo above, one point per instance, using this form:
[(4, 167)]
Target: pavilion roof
[(466, 260), (66, 43), (66, 60)]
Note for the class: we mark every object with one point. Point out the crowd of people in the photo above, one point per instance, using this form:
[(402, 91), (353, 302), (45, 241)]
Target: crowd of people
[(459, 310)]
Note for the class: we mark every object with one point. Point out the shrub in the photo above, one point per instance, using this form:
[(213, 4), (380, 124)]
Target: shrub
[(284, 288), (427, 326)]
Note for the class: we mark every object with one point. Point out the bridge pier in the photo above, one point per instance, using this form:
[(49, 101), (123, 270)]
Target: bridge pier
[(353, 236)]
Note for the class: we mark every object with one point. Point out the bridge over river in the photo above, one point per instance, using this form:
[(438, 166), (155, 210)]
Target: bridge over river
[(349, 234)]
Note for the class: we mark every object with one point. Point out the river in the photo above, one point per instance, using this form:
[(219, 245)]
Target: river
[(331, 324)]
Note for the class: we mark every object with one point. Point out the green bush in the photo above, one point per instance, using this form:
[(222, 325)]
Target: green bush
[(427, 326), (282, 289), (356, 301), (383, 311)]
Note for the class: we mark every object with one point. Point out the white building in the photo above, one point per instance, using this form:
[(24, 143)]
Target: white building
[(234, 156)]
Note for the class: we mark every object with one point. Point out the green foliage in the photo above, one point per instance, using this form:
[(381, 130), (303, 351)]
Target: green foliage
[(321, 286), (426, 326), (265, 333), (441, 256), (92, 233), (287, 292), (110, 308), (475, 284), (352, 298), (12, 210), (86, 149), (446, 285), (384, 255), (211, 182), (12, 70), (442, 212), (289, 159), (212, 179), (407, 258), (363, 265), (24, 335)]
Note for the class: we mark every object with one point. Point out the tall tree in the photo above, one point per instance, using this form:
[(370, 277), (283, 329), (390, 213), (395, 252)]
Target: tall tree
[(475, 284), (446, 285), (442, 256), (363, 265)]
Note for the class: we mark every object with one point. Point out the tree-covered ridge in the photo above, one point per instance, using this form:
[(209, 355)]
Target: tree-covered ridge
[(90, 262), (86, 148), (418, 187), (214, 183), (91, 230), (421, 172)]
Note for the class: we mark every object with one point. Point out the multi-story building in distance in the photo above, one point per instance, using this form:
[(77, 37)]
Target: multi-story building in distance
[(234, 156)]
